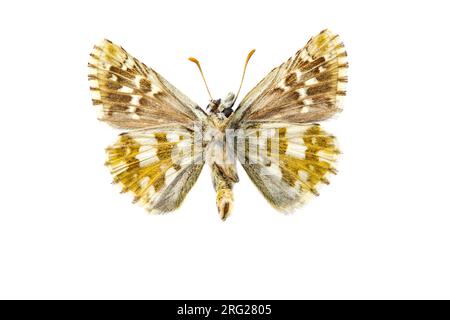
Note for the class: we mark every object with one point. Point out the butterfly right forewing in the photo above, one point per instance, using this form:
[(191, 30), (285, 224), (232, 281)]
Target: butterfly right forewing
[(306, 88)]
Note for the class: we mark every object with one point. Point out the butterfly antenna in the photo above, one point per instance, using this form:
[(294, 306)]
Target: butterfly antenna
[(243, 74), (201, 72)]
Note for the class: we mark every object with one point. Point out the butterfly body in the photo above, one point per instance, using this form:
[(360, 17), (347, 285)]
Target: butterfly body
[(273, 132), (220, 156)]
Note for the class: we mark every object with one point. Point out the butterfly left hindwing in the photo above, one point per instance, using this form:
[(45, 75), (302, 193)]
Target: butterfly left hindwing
[(157, 166)]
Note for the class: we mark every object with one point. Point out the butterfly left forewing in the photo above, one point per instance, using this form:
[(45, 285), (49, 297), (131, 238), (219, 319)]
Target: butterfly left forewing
[(130, 95)]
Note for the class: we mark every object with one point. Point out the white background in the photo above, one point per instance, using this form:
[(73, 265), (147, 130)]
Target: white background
[(380, 230)]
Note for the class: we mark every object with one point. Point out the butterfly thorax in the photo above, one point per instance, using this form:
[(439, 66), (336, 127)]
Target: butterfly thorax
[(218, 141)]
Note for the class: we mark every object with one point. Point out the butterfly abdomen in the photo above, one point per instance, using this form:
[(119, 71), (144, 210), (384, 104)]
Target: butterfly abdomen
[(223, 186), (221, 159)]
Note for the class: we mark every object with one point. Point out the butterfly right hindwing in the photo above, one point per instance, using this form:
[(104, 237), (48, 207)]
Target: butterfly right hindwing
[(288, 162)]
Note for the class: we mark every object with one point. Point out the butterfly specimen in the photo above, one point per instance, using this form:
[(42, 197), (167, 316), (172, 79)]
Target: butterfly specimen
[(273, 132)]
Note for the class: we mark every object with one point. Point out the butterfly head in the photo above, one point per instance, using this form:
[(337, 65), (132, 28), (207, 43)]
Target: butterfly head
[(223, 108)]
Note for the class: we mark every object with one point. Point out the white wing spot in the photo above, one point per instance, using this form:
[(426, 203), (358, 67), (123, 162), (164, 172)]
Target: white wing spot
[(126, 89), (308, 101), (296, 150), (169, 172), (304, 109), (172, 137), (302, 92), (146, 156), (144, 182), (303, 175), (311, 81)]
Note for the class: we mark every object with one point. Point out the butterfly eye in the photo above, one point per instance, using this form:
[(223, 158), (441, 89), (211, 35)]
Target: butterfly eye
[(213, 105), (227, 112)]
